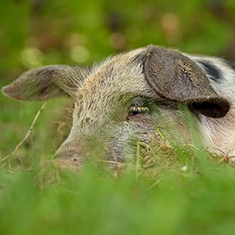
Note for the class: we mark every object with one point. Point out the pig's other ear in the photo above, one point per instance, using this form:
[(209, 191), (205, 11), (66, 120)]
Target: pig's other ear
[(46, 82), (175, 77)]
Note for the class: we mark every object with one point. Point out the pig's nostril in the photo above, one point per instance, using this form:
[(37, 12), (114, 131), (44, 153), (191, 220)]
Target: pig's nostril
[(75, 159)]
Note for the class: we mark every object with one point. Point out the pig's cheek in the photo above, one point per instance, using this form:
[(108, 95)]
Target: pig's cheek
[(142, 121)]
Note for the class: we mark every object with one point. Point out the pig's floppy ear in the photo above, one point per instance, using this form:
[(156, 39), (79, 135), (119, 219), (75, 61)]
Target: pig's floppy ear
[(175, 77), (46, 82)]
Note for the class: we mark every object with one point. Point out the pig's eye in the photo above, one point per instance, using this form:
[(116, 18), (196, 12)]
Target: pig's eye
[(134, 110)]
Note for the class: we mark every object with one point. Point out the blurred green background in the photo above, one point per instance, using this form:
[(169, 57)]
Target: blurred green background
[(40, 32)]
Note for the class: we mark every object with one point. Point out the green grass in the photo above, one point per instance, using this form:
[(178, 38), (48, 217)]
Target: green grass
[(94, 201)]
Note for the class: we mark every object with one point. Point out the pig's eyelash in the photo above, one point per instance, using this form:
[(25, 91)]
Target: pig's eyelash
[(134, 110)]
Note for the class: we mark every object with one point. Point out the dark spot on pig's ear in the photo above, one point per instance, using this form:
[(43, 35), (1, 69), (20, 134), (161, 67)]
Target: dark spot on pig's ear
[(175, 77)]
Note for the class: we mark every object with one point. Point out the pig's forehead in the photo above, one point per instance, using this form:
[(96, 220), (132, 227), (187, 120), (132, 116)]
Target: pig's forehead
[(123, 72), (119, 63)]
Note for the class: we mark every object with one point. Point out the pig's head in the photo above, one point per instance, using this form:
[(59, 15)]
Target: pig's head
[(125, 98)]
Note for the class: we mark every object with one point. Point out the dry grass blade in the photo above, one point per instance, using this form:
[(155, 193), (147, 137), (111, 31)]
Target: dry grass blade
[(27, 135)]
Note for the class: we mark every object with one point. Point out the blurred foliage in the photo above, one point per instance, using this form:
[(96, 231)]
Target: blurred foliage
[(94, 202), (40, 32)]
